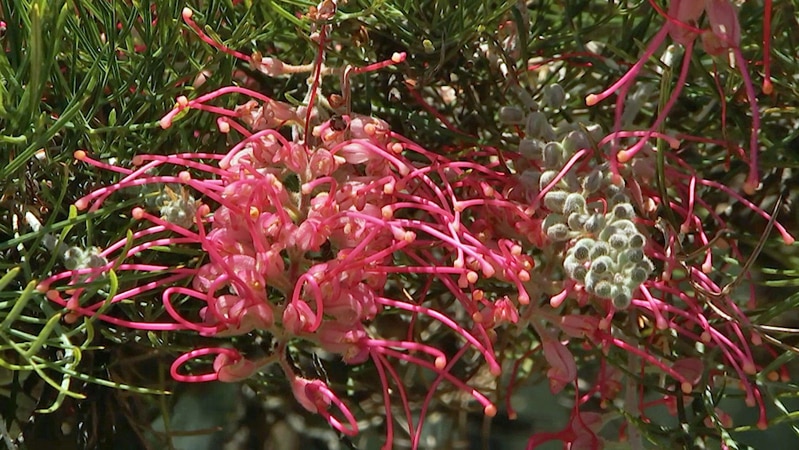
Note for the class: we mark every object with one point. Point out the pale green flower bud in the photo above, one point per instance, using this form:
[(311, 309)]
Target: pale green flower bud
[(575, 141), (558, 232), (532, 149), (623, 211), (576, 221), (553, 155), (575, 203), (603, 289), (599, 249), (511, 115), (593, 182), (554, 96), (582, 248), (546, 178), (601, 264), (554, 200), (637, 240), (621, 297)]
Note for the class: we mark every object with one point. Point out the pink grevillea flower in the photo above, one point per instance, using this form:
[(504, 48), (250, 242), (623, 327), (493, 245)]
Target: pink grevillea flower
[(705, 310), (316, 397), (311, 238), (602, 222), (681, 25)]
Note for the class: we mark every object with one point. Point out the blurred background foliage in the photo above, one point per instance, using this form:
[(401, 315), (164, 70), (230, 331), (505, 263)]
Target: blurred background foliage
[(98, 75)]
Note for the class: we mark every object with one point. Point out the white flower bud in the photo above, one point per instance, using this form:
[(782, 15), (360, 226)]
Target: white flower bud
[(621, 297), (623, 211), (601, 264), (595, 223), (511, 115), (553, 155), (637, 240), (547, 178), (558, 232), (575, 203), (554, 95), (618, 241), (554, 200), (537, 126), (582, 249), (575, 141), (638, 275), (599, 249), (593, 182), (635, 255), (531, 149), (603, 289), (576, 221)]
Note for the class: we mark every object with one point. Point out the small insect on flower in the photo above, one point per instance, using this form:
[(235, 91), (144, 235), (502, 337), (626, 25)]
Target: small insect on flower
[(337, 123)]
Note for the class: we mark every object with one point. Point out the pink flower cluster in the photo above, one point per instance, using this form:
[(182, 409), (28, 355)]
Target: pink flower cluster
[(318, 221), (310, 239)]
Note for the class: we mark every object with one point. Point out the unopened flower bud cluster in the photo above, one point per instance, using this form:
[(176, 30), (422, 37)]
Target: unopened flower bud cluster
[(588, 208)]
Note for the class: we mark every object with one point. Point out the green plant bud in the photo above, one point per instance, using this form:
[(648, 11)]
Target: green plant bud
[(554, 200), (599, 249), (74, 258), (582, 249), (634, 255), (94, 260), (579, 273), (511, 115), (536, 124), (575, 141), (603, 289), (547, 178), (595, 223), (571, 181), (623, 226), (428, 46), (590, 282), (532, 149), (552, 219), (637, 240), (647, 265), (553, 155), (576, 221), (618, 241), (548, 133), (602, 264), (575, 203), (570, 264), (595, 132), (638, 275), (558, 232), (592, 182), (621, 296), (554, 95), (622, 211)]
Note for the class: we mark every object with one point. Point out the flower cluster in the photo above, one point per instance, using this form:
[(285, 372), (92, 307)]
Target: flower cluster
[(311, 238), (596, 217), (609, 217), (318, 225)]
